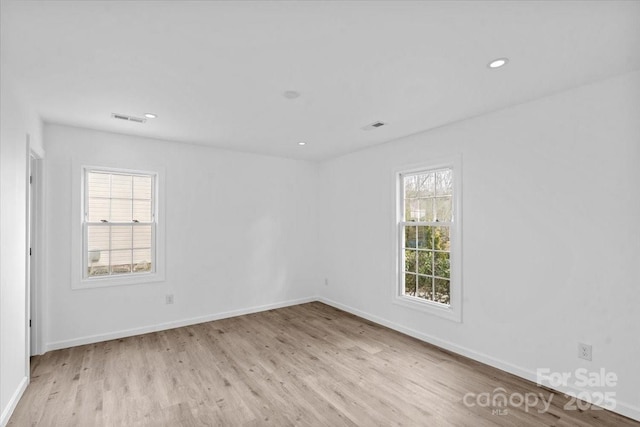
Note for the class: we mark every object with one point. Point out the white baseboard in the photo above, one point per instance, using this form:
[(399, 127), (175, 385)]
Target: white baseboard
[(628, 410), (170, 325), (622, 408), (13, 402)]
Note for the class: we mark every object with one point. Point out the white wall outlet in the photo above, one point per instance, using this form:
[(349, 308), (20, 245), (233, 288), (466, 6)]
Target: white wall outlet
[(168, 299), (584, 351), (326, 282)]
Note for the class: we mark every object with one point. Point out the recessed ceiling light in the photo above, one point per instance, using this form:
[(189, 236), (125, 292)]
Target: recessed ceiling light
[(291, 94), (150, 115), (302, 143), (497, 63)]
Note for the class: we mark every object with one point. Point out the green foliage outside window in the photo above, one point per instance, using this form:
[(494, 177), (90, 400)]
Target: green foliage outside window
[(427, 262)]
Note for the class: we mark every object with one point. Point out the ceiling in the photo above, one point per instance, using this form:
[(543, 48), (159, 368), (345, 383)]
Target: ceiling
[(215, 72)]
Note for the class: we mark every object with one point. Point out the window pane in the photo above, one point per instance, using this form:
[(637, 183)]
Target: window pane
[(410, 261), (425, 237), (412, 209), (428, 198), (121, 210), (442, 291), (142, 187), (98, 263), (119, 197), (409, 284), (410, 187), (142, 236), (121, 237), (425, 287), (97, 238), (425, 262), (410, 237), (121, 186), (426, 185), (441, 239), (442, 264), (141, 260), (121, 261), (426, 210), (444, 182), (98, 209), (142, 210), (443, 209), (98, 185)]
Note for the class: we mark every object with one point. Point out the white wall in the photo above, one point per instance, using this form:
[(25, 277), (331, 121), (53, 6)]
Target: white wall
[(240, 235), (16, 122), (551, 234)]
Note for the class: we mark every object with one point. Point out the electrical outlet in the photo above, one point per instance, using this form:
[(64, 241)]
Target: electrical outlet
[(326, 282), (168, 299), (584, 351)]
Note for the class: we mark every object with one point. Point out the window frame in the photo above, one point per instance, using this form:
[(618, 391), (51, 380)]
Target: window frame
[(80, 242), (452, 311)]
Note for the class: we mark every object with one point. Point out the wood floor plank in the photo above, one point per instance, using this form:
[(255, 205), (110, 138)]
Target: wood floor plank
[(306, 365)]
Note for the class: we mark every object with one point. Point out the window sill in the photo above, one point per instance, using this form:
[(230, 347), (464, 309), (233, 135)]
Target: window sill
[(441, 310), (109, 281)]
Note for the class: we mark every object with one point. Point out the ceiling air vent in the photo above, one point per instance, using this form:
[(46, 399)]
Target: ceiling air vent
[(128, 118), (373, 125)]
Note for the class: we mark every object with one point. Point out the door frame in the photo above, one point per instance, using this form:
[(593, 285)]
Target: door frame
[(35, 251)]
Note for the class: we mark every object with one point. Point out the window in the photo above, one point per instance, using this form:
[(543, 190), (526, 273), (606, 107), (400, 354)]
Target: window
[(119, 224), (429, 239)]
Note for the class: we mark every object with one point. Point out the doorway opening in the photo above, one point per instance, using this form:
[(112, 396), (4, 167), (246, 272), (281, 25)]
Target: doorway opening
[(34, 255)]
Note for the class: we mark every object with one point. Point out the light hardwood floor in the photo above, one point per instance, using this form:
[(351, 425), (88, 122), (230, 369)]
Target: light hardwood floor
[(307, 365)]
